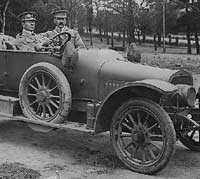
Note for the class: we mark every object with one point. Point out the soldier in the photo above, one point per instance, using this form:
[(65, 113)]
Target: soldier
[(27, 40), (60, 22)]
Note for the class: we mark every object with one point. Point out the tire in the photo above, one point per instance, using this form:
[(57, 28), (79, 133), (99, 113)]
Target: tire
[(189, 136), (143, 135), (44, 93)]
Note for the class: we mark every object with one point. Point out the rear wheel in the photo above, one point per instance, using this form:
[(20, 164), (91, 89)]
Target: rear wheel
[(143, 135), (44, 94)]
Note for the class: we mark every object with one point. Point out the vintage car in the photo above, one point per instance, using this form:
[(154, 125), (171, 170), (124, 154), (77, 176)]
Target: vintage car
[(145, 108)]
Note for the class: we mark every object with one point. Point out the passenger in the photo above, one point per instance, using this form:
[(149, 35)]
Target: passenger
[(27, 40), (60, 26)]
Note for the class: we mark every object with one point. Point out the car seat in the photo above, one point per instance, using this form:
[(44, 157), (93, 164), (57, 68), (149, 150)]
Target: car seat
[(7, 42)]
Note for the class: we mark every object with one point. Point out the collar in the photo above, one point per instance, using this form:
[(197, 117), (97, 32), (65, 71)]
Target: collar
[(57, 30), (28, 32)]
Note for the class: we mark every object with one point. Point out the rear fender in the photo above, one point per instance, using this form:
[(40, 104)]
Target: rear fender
[(151, 89)]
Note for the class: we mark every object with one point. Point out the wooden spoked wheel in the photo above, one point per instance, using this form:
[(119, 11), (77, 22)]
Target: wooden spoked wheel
[(45, 93), (143, 135)]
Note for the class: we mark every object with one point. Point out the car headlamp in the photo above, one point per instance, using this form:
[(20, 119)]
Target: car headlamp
[(186, 95)]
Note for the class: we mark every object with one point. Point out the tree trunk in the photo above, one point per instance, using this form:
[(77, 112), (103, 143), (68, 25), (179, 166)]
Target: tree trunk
[(189, 50), (196, 39), (138, 34), (112, 37), (90, 30), (143, 36), (124, 38), (131, 36), (177, 41), (106, 27), (159, 39), (100, 34), (107, 38), (104, 34), (154, 42), (90, 19), (197, 42), (4, 17), (170, 39), (124, 29)]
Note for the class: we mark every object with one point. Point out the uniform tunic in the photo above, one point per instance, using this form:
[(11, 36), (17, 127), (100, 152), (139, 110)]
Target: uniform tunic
[(75, 37), (27, 41)]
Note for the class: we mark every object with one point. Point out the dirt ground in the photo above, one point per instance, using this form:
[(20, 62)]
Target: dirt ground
[(78, 155)]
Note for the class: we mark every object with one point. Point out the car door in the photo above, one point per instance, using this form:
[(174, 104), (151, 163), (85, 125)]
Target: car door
[(16, 62)]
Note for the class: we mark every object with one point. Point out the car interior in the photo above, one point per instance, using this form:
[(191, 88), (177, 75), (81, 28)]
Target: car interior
[(7, 42)]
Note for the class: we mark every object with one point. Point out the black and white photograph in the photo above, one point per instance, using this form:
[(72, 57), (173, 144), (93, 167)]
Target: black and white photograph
[(99, 89)]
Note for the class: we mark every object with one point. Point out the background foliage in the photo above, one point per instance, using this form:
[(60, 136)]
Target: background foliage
[(106, 17)]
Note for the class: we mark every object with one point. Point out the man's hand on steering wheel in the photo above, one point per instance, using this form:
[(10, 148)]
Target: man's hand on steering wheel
[(60, 42), (57, 46)]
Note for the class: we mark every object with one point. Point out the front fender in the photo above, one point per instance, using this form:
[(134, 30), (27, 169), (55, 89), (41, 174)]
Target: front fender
[(151, 89), (158, 85)]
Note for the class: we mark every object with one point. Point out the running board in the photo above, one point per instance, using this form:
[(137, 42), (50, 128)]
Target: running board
[(9, 109), (67, 125), (8, 104)]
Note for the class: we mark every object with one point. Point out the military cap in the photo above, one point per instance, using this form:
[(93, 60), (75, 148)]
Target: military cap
[(27, 16), (60, 13)]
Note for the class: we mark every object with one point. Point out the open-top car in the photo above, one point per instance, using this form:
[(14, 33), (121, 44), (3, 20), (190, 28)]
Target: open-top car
[(145, 108)]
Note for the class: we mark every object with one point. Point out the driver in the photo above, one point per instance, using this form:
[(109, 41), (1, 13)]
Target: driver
[(27, 40), (60, 22)]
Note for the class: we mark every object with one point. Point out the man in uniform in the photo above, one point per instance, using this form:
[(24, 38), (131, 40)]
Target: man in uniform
[(60, 22), (27, 40)]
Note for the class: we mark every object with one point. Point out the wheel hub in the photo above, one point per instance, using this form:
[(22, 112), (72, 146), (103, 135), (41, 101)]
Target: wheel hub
[(42, 95), (140, 135)]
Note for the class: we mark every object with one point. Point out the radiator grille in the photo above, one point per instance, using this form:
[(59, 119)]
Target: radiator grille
[(182, 80)]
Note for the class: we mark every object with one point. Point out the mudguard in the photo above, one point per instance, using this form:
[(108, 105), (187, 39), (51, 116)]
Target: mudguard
[(116, 97), (158, 85)]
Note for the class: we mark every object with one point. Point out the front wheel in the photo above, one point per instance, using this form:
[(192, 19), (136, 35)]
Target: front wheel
[(44, 94), (143, 135)]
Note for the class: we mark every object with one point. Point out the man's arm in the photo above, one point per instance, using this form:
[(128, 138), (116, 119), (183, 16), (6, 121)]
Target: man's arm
[(78, 41), (23, 45)]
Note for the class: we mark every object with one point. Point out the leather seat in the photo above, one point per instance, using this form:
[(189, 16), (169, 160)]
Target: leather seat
[(7, 42)]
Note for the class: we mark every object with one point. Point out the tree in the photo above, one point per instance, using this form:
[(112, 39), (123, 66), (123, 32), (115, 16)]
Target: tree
[(98, 22), (144, 22), (128, 10), (188, 22), (155, 14), (9, 21), (90, 18), (3, 9)]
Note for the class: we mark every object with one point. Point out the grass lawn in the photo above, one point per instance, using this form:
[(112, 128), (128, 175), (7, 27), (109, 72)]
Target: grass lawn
[(176, 57), (143, 47)]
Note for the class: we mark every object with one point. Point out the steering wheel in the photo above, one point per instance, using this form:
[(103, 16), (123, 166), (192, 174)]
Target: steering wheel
[(60, 41)]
